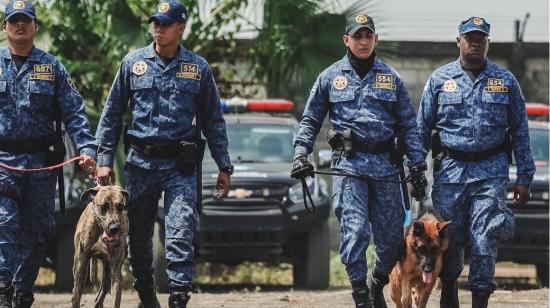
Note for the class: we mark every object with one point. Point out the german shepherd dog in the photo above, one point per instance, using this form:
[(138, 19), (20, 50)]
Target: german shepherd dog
[(420, 261)]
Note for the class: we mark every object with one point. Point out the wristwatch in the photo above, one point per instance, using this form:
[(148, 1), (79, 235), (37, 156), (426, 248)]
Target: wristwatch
[(228, 170)]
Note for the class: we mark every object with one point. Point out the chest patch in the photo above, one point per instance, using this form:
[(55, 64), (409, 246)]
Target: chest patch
[(340, 82), (189, 71), (449, 85), (495, 85), (384, 81), (42, 72), (139, 68)]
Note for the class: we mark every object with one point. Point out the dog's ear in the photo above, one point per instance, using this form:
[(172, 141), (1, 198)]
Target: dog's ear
[(441, 226), (90, 191), (417, 228), (126, 198)]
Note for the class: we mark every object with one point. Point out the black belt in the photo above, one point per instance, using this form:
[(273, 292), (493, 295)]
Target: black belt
[(473, 156), (165, 151), (374, 147), (30, 146)]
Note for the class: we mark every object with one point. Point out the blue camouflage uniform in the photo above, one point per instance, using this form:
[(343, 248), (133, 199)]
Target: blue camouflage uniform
[(28, 100), (473, 116), (376, 108), (163, 101)]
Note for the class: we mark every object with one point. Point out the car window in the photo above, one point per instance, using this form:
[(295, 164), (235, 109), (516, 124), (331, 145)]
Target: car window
[(259, 143), (539, 144)]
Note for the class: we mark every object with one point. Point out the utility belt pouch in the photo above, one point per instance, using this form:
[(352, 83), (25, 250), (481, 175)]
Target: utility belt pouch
[(187, 158), (341, 141), (56, 154), (508, 145)]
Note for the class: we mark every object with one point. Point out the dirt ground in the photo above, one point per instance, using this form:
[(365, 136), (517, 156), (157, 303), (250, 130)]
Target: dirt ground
[(279, 299)]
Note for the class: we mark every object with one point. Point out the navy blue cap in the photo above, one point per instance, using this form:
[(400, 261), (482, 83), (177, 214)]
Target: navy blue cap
[(358, 21), (169, 12), (19, 7), (474, 24)]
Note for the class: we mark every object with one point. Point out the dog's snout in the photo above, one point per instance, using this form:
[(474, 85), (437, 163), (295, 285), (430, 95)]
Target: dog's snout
[(113, 229)]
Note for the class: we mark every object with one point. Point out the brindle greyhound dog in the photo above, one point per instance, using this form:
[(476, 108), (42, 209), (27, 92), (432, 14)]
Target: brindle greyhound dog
[(101, 234)]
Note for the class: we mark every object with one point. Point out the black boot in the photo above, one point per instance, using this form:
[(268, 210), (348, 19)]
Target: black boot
[(480, 299), (147, 294), (377, 290), (449, 294), (6, 294), (178, 299), (360, 294), (23, 299)]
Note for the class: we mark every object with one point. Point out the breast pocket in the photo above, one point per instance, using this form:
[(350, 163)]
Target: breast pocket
[(495, 108), (143, 92), (450, 107), (41, 94), (186, 91), (382, 100), (343, 102)]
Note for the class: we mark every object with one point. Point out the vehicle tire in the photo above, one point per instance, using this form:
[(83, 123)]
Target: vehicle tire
[(64, 259), (542, 274), (312, 260), (159, 259)]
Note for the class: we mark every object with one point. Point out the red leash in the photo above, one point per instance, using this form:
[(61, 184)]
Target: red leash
[(76, 158), (44, 168)]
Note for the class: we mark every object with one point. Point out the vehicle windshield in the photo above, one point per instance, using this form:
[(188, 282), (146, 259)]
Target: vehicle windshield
[(539, 145), (258, 143)]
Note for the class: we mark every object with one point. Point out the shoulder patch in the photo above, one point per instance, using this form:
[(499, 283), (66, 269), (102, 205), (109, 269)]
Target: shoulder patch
[(384, 81), (189, 71)]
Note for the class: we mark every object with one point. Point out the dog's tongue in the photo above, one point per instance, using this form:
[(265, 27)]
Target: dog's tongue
[(105, 237), (426, 277)]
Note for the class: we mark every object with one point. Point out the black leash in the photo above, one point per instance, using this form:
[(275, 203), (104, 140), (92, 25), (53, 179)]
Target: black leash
[(306, 192)]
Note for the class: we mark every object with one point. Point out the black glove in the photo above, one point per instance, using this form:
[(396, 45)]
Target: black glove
[(418, 180), (301, 168)]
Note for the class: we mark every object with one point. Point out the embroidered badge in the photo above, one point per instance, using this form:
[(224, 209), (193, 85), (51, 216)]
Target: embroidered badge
[(164, 7), (449, 85), (42, 72), (18, 5), (189, 71), (340, 82), (478, 21), (384, 81), (361, 19), (495, 85), (139, 68)]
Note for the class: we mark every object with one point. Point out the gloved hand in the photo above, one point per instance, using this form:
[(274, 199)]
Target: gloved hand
[(301, 168), (418, 180)]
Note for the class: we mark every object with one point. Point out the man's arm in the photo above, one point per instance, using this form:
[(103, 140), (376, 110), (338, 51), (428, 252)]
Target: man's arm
[(520, 136), (406, 125), (73, 115), (213, 124), (426, 117), (110, 123), (312, 119)]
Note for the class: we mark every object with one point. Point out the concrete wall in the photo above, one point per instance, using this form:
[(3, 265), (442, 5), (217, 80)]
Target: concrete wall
[(415, 61)]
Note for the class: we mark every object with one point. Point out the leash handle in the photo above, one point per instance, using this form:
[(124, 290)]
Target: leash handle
[(305, 190)]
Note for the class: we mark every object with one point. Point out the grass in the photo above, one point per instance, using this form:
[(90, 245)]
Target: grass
[(253, 273)]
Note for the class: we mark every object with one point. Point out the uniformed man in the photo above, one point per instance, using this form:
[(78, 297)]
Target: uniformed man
[(35, 91), (368, 106), (471, 103), (163, 86)]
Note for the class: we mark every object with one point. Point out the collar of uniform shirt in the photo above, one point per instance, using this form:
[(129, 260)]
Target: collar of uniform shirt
[(361, 67)]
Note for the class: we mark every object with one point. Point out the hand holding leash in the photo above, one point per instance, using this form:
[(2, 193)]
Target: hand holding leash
[(105, 175), (302, 168), (418, 180)]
